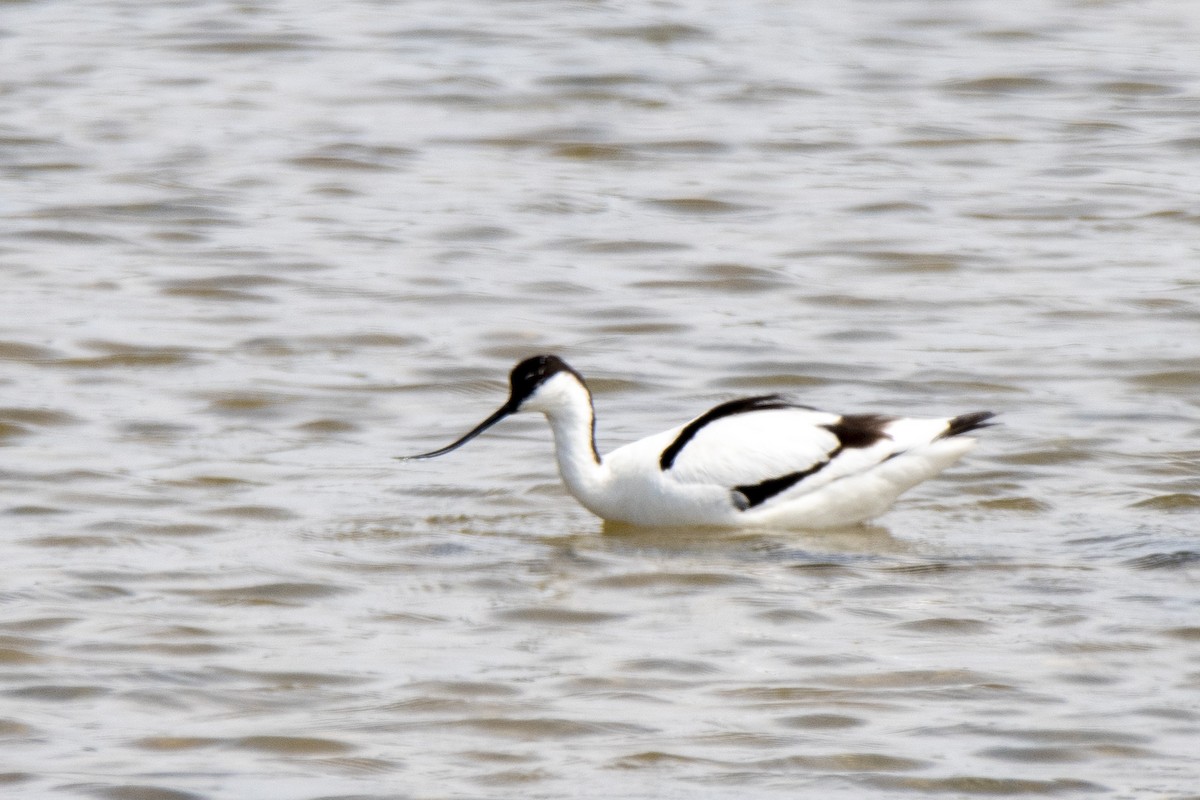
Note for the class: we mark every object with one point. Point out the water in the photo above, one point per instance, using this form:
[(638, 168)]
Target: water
[(250, 252)]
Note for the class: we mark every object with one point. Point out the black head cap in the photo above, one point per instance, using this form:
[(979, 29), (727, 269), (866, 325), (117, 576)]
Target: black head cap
[(525, 379), (531, 373)]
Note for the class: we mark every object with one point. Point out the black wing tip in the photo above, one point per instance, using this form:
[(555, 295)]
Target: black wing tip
[(965, 423)]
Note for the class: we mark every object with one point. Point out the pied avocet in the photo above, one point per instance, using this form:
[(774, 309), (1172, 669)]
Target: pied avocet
[(757, 461)]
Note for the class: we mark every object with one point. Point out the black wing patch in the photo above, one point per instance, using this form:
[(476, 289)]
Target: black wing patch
[(742, 406), (759, 493), (860, 430), (852, 430)]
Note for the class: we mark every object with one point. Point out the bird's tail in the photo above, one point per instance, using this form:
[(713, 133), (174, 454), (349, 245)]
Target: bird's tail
[(967, 422)]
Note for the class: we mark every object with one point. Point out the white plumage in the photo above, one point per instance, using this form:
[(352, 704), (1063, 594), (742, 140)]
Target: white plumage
[(758, 461)]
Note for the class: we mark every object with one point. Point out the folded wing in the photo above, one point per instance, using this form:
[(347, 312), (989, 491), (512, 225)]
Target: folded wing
[(767, 447)]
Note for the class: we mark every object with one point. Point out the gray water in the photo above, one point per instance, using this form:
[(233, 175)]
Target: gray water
[(251, 251)]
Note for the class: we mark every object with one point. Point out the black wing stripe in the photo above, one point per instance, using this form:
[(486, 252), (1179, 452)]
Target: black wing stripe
[(852, 431), (742, 406), (759, 493)]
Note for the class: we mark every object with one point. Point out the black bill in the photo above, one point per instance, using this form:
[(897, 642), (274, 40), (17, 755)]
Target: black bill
[(500, 414)]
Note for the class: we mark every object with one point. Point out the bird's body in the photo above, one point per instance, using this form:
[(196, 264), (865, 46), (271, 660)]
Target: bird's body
[(758, 461)]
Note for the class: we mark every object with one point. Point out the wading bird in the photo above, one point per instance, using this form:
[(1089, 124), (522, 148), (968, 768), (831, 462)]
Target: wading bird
[(755, 462)]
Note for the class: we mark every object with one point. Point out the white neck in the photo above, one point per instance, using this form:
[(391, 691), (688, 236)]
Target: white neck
[(567, 405)]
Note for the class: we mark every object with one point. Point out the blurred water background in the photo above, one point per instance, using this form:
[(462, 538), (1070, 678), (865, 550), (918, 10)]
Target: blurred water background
[(252, 250)]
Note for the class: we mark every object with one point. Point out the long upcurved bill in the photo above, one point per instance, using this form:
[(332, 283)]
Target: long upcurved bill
[(500, 414)]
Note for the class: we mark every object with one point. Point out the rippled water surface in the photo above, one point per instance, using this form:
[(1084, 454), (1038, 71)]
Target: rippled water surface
[(251, 251)]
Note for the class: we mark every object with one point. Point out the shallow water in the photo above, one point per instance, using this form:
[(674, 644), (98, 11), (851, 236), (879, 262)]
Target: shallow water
[(251, 252)]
